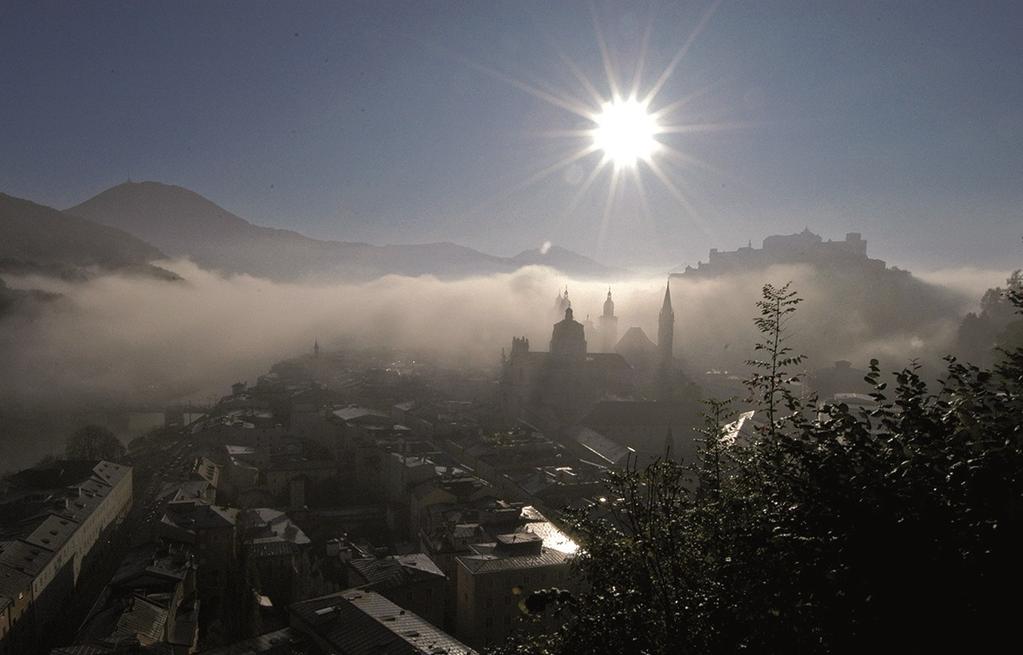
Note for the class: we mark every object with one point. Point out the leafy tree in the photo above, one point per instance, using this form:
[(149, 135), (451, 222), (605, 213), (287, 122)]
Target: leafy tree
[(896, 527), (769, 382), (996, 304), (93, 442), (996, 325)]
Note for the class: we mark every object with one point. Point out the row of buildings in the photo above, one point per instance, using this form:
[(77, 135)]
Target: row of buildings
[(345, 505), (171, 570), (53, 520), (336, 515)]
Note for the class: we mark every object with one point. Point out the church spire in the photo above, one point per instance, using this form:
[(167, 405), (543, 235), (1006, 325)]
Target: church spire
[(609, 305), (608, 325), (561, 303), (666, 346)]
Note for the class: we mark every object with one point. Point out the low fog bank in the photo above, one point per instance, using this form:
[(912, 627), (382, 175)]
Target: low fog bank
[(969, 281), (839, 319), (127, 339), (132, 339)]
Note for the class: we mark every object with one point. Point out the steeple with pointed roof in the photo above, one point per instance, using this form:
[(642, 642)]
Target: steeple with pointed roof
[(561, 303), (608, 325), (609, 305), (666, 345), (666, 326)]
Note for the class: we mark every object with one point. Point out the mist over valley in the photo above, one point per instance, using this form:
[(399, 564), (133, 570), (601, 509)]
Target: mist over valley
[(117, 325)]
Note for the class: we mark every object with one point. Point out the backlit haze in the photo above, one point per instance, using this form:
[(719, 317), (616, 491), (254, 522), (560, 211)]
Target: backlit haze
[(615, 142)]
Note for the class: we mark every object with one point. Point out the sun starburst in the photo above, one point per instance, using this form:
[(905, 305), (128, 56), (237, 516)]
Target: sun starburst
[(631, 130), (626, 132)]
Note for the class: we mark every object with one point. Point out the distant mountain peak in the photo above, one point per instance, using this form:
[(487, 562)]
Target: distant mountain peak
[(568, 261), (150, 187), (182, 222)]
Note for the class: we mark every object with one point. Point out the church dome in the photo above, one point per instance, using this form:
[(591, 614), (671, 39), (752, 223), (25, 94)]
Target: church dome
[(568, 338)]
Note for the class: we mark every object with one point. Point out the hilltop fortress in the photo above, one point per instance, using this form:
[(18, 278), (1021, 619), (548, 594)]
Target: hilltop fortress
[(803, 248)]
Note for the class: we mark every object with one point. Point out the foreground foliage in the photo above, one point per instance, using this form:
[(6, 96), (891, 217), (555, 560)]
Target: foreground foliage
[(895, 527)]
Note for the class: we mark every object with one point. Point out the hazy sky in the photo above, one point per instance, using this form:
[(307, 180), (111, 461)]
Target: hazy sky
[(400, 122)]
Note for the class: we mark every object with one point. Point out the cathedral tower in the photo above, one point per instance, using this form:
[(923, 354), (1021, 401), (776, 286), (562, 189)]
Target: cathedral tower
[(608, 323), (561, 303)]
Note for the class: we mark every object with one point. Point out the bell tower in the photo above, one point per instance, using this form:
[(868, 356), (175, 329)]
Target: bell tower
[(608, 323)]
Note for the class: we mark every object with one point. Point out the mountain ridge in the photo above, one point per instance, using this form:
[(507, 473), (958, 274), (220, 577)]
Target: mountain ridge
[(184, 223), (35, 238)]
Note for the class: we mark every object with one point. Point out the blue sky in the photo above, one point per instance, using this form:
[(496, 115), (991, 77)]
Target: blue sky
[(376, 121)]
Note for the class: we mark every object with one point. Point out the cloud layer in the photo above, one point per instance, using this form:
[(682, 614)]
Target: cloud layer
[(129, 339)]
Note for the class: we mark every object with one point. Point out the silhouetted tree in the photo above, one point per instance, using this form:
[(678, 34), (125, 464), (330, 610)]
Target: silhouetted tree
[(996, 325), (891, 528), (93, 442), (769, 382)]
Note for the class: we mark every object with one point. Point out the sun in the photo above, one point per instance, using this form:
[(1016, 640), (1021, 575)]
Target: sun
[(627, 123), (626, 132)]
